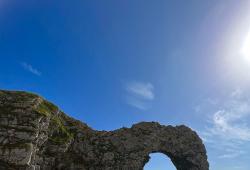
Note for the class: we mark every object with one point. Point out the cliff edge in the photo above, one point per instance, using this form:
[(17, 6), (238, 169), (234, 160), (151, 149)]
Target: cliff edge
[(36, 135)]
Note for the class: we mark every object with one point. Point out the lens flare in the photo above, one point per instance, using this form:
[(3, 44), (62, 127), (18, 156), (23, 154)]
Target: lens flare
[(245, 51)]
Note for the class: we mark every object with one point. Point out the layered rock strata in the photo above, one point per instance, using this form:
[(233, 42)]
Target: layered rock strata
[(37, 135)]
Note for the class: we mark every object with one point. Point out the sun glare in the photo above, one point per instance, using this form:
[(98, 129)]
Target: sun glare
[(245, 51)]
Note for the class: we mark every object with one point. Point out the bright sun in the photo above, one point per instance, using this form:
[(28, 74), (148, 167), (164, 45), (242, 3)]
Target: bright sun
[(245, 51)]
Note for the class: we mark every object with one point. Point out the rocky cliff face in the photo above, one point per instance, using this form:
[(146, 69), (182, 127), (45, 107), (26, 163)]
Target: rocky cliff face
[(36, 135)]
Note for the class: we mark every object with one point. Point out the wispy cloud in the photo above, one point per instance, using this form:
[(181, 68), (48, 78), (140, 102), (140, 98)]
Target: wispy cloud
[(228, 128), (231, 153), (139, 94), (228, 122), (140, 89), (31, 69)]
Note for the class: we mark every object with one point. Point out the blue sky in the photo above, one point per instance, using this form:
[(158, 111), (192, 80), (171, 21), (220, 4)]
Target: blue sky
[(114, 63)]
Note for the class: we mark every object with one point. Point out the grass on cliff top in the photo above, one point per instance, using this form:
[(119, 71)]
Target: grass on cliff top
[(63, 134), (60, 132), (46, 108)]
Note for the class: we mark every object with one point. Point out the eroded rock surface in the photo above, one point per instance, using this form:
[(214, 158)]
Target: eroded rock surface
[(36, 135)]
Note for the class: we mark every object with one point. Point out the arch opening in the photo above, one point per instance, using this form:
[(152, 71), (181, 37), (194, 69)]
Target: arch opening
[(159, 161)]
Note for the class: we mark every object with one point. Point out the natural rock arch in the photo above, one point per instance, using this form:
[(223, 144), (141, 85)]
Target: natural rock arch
[(179, 143), (35, 134)]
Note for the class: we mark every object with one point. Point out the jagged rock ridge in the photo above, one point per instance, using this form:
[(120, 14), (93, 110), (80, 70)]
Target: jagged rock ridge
[(36, 135)]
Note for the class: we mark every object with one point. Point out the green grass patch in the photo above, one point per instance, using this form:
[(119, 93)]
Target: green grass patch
[(46, 108)]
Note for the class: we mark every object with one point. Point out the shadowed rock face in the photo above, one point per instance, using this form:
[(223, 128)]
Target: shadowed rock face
[(36, 135)]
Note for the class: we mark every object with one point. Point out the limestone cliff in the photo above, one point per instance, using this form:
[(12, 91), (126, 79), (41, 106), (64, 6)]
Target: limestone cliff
[(36, 135)]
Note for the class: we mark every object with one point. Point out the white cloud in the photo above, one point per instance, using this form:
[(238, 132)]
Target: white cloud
[(137, 103), (140, 89), (31, 69), (229, 128), (139, 94), (229, 123), (231, 154)]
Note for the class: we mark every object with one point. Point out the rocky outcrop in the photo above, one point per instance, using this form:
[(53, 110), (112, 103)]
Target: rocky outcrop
[(36, 135)]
